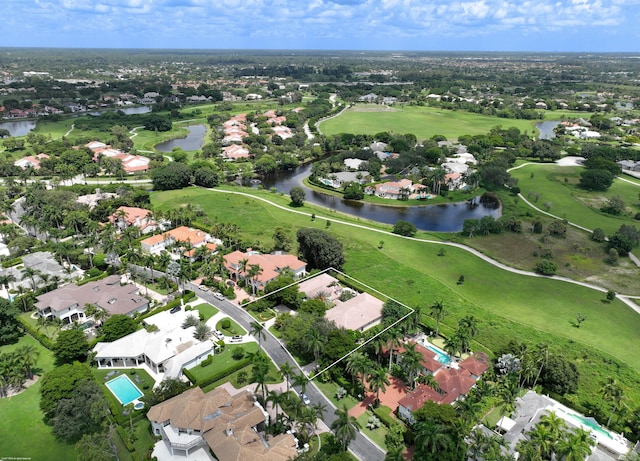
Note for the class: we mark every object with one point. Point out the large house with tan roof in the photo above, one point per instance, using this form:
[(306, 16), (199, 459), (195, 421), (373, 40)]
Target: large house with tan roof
[(238, 264), (227, 424), (130, 163), (68, 303)]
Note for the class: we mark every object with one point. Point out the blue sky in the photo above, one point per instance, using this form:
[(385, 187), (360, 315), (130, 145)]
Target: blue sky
[(467, 25)]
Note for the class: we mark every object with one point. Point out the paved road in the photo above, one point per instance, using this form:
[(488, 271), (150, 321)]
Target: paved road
[(362, 447)]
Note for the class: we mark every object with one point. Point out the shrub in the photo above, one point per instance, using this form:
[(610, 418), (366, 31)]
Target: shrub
[(546, 267), (225, 323), (237, 353), (384, 414), (373, 423), (341, 392)]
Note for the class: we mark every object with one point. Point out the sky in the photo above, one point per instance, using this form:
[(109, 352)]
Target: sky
[(426, 25)]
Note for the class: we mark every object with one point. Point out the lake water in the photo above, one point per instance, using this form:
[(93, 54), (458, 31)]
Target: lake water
[(125, 110), (546, 129), (440, 218), (23, 127), (19, 127), (193, 141)]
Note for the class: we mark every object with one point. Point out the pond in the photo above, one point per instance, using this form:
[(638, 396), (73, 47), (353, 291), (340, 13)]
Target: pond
[(546, 129), (193, 141), (125, 110), (440, 218), (18, 127)]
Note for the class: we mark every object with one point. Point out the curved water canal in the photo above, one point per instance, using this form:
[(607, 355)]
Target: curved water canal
[(193, 141), (440, 218)]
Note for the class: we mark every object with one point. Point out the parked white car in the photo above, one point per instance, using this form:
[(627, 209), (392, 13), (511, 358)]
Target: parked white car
[(236, 339), (218, 295)]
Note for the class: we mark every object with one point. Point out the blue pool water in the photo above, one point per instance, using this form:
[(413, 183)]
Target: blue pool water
[(124, 390), (442, 356)]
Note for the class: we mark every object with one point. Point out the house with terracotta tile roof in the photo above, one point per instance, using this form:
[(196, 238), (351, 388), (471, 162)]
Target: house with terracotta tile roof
[(454, 382), (126, 216), (235, 151), (193, 238), (30, 161), (392, 189), (229, 425), (131, 163), (238, 264)]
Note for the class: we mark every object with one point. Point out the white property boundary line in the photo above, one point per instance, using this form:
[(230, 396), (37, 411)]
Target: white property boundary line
[(298, 282)]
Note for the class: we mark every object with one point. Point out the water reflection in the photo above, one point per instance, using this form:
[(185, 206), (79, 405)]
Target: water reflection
[(441, 218), (193, 141)]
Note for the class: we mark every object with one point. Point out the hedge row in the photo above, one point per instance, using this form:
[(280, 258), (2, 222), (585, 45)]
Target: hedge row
[(384, 415), (188, 296), (126, 439), (11, 262), (240, 364), (92, 279), (42, 339)]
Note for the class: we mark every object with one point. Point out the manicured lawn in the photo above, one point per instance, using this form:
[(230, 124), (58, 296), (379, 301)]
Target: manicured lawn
[(557, 185), (206, 310), (222, 360), (233, 330), (509, 306), (49, 329), (377, 435), (424, 122), (25, 434), (329, 391), (144, 380), (273, 377)]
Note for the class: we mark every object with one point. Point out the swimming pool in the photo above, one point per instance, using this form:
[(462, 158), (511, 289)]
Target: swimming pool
[(124, 389), (442, 356)]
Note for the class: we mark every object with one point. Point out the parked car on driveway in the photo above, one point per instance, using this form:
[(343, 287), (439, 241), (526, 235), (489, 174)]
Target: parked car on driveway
[(204, 288), (175, 309), (236, 339)]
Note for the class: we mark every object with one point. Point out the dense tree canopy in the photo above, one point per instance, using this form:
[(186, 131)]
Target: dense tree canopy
[(320, 249), (60, 383), (10, 330), (71, 345), (597, 179), (81, 413), (297, 195), (118, 326), (173, 175)]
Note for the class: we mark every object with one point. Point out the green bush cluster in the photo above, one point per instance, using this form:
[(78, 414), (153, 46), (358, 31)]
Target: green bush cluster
[(384, 415), (11, 262), (207, 361)]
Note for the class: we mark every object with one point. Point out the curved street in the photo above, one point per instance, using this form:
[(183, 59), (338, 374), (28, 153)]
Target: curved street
[(362, 447)]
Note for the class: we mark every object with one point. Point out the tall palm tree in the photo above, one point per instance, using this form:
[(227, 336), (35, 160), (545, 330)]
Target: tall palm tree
[(437, 312), (394, 338), (468, 409), (254, 272), (257, 330), (358, 365), (344, 427), (378, 381), (469, 324), (411, 362), (612, 392), (575, 446), (555, 424), (543, 440), (542, 357), (286, 371), (276, 398), (30, 273)]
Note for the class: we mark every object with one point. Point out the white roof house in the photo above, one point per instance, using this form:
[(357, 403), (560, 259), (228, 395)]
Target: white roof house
[(165, 351)]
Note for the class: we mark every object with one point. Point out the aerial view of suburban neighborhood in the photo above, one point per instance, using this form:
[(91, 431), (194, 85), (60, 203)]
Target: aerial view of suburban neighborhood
[(275, 255)]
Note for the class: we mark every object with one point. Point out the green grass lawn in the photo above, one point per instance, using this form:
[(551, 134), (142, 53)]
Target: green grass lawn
[(557, 185), (206, 310), (233, 330), (377, 435), (424, 122), (222, 360), (50, 329), (25, 433), (509, 306), (273, 377)]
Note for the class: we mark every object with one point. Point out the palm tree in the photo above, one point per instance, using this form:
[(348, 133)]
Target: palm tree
[(432, 437), (345, 427), (30, 273), (203, 332), (555, 424), (5, 280), (286, 371), (612, 392), (358, 365), (260, 373), (437, 312), (467, 409), (411, 362), (452, 345), (469, 324), (542, 357), (243, 267), (394, 338), (300, 380), (575, 446), (543, 440), (257, 330), (28, 356), (276, 398), (378, 381), (254, 272), (314, 340)]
